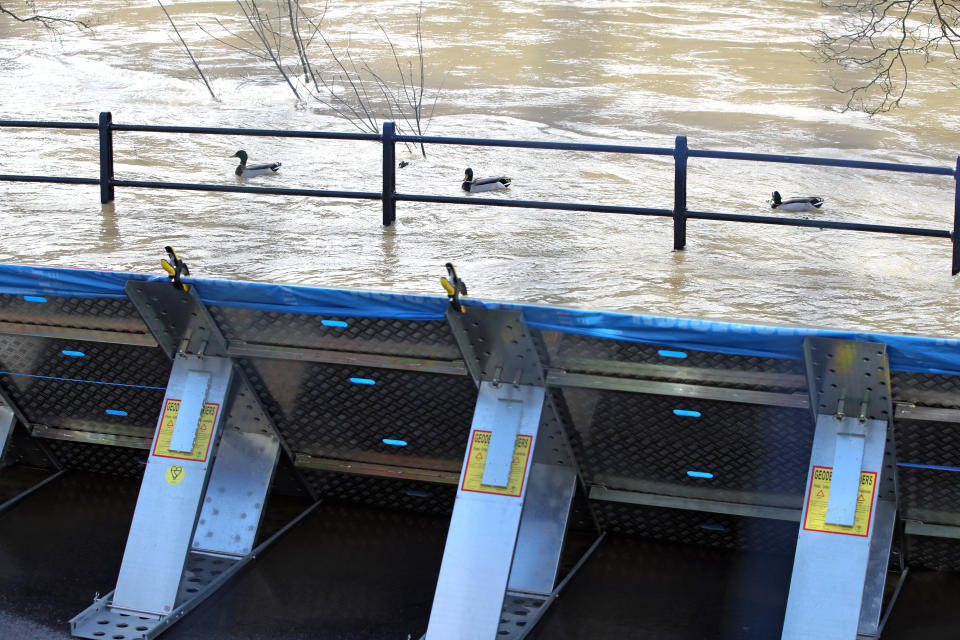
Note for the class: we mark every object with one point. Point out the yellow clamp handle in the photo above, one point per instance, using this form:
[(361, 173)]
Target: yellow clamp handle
[(451, 291), (168, 268)]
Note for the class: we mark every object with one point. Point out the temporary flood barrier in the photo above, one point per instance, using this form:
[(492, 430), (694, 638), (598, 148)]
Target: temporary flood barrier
[(521, 422)]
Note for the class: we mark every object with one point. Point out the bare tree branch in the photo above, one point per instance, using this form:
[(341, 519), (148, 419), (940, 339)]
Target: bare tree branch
[(287, 36), (873, 42), (50, 22), (196, 65)]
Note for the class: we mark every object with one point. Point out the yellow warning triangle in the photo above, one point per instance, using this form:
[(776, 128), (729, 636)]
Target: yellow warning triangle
[(820, 493), (860, 498)]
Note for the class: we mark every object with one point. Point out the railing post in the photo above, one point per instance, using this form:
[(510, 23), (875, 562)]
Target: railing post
[(106, 157), (956, 221), (680, 194), (389, 174)]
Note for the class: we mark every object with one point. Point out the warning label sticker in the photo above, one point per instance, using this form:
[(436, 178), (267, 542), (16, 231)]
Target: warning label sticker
[(201, 443), (175, 474), (816, 518), (477, 460)]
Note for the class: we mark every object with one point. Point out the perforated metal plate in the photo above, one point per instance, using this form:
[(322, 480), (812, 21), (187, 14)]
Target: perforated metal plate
[(520, 611), (199, 572), (100, 621), (80, 313), (24, 450), (316, 408), (426, 339), (639, 436)]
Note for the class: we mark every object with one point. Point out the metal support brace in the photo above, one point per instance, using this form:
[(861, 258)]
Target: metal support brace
[(181, 323), (210, 467), (8, 420), (200, 505), (846, 529), (7, 402), (178, 319), (8, 424), (516, 486)]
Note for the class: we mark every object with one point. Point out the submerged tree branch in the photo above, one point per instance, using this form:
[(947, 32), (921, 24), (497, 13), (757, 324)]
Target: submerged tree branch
[(196, 65)]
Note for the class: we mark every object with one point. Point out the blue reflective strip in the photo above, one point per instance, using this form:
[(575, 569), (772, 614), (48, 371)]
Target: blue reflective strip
[(699, 474), (417, 494), (116, 412), (75, 354), (363, 381), (334, 323), (671, 354), (34, 298), (686, 412), (713, 527), (927, 466), (112, 384), (396, 443)]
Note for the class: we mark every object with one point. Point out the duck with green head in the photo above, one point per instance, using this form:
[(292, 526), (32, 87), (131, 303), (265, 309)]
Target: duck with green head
[(482, 184), (248, 171)]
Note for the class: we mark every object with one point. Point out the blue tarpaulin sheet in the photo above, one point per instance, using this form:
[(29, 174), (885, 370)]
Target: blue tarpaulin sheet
[(907, 353)]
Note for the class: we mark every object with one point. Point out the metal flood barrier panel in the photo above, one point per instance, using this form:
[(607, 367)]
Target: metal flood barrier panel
[(520, 423)]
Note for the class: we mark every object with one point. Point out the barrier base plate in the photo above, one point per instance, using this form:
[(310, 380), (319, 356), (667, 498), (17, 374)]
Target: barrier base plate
[(99, 621)]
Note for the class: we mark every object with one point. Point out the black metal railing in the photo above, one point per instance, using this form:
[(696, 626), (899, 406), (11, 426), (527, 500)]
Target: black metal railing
[(389, 197)]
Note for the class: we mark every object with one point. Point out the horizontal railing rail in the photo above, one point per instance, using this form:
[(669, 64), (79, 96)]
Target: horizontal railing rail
[(388, 195)]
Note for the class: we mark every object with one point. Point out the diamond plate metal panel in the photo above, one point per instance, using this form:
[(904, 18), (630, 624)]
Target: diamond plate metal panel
[(77, 313), (927, 389), (928, 442), (99, 458), (564, 347), (405, 495), (83, 391), (100, 362), (422, 339), (925, 490), (746, 447), (316, 407), (698, 528), (81, 405), (939, 554)]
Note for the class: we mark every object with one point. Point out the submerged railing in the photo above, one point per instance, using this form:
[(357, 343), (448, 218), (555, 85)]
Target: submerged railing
[(389, 196)]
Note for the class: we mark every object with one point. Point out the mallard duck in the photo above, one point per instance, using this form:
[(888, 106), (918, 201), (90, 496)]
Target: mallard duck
[(482, 184), (254, 169), (810, 203)]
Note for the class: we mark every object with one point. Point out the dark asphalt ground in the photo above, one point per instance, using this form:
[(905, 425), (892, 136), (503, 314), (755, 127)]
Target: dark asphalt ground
[(361, 574)]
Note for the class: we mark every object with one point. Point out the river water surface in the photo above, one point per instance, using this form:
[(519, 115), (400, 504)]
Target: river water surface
[(730, 75)]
